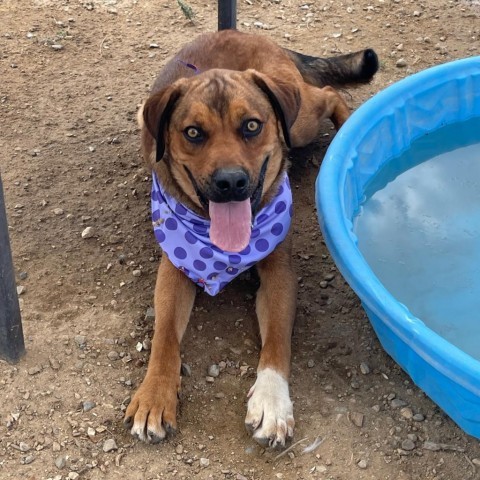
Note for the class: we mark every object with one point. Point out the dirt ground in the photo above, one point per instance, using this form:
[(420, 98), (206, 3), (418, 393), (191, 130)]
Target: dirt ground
[(72, 75)]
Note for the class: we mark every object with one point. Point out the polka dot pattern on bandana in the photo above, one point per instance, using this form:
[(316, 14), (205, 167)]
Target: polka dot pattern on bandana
[(184, 237)]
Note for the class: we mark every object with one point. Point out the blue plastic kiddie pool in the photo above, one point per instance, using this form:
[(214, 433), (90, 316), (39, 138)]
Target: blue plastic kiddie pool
[(379, 131)]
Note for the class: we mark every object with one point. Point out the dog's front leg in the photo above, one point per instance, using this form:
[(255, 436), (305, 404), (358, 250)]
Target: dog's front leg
[(270, 411), (152, 411)]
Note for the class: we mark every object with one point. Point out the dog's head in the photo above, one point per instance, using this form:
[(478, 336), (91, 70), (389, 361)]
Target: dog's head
[(220, 134)]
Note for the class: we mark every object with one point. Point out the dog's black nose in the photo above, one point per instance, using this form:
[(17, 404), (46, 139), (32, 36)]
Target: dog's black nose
[(230, 184)]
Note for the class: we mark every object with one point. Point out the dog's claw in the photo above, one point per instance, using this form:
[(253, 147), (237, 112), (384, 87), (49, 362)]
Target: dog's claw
[(128, 423)]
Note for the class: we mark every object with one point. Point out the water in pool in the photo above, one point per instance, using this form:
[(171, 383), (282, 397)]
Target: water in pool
[(419, 230)]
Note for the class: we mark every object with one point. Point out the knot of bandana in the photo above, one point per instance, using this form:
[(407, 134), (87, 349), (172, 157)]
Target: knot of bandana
[(184, 237)]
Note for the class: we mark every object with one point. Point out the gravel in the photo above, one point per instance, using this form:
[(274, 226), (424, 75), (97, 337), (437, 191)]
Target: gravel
[(109, 445)]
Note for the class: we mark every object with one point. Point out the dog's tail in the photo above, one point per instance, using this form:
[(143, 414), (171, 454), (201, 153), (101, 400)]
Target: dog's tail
[(352, 68)]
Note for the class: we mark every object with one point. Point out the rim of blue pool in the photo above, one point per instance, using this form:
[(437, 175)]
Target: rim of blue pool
[(380, 130)]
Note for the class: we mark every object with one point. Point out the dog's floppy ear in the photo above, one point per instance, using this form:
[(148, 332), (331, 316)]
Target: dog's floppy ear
[(284, 98), (157, 112)]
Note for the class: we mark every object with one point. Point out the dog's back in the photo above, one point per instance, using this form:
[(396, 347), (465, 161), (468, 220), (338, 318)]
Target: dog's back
[(234, 50)]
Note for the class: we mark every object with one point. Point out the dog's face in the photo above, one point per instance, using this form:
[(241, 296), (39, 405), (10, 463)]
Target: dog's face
[(220, 134)]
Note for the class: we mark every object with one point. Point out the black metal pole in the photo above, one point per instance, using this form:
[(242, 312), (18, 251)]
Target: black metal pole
[(12, 346), (227, 14)]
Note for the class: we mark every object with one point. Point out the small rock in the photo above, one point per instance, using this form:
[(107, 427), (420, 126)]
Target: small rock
[(364, 368), (416, 13), (476, 461), (89, 232), (137, 273), (113, 355), (88, 405), (54, 363), (57, 46), (179, 449), (418, 417), (323, 284), (408, 445), (400, 47), (209, 379), (91, 432), (56, 447), (376, 408), (397, 403), (23, 275), (311, 363), (214, 370), (401, 63), (362, 464), (27, 460), (150, 314), (80, 340), (34, 370), (186, 370), (109, 445), (24, 447), (60, 462), (73, 476), (204, 462), (58, 211), (21, 290), (357, 419), (406, 413)]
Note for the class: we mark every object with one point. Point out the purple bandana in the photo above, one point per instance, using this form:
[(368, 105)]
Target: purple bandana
[(184, 238)]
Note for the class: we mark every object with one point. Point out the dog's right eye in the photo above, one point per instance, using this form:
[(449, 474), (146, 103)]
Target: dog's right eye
[(193, 134)]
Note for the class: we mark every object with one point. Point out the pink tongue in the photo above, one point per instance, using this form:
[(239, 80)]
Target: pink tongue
[(231, 225)]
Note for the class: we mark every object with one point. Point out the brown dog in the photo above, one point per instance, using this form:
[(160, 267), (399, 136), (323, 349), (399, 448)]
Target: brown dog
[(213, 131)]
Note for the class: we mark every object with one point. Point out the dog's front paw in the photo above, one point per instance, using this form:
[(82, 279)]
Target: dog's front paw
[(270, 410), (151, 414)]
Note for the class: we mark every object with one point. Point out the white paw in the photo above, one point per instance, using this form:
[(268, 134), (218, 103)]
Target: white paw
[(270, 410)]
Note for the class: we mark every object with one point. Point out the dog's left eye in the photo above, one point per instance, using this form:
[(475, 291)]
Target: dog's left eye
[(251, 128)]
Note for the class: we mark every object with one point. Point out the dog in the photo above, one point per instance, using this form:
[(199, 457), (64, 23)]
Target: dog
[(215, 131)]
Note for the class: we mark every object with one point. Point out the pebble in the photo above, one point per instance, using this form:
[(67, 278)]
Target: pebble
[(362, 464), (357, 419), (179, 449), (89, 232), (54, 363), (24, 447), (60, 462), (58, 211), (214, 370), (91, 432), (397, 403), (323, 284), (73, 476), (21, 290), (364, 368), (88, 405), (57, 46), (418, 417), (476, 461), (150, 314), (311, 363), (204, 462), (137, 273), (209, 379), (401, 62), (80, 340), (23, 275), (35, 370), (408, 445), (406, 413), (186, 370), (109, 445), (28, 459), (113, 355)]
